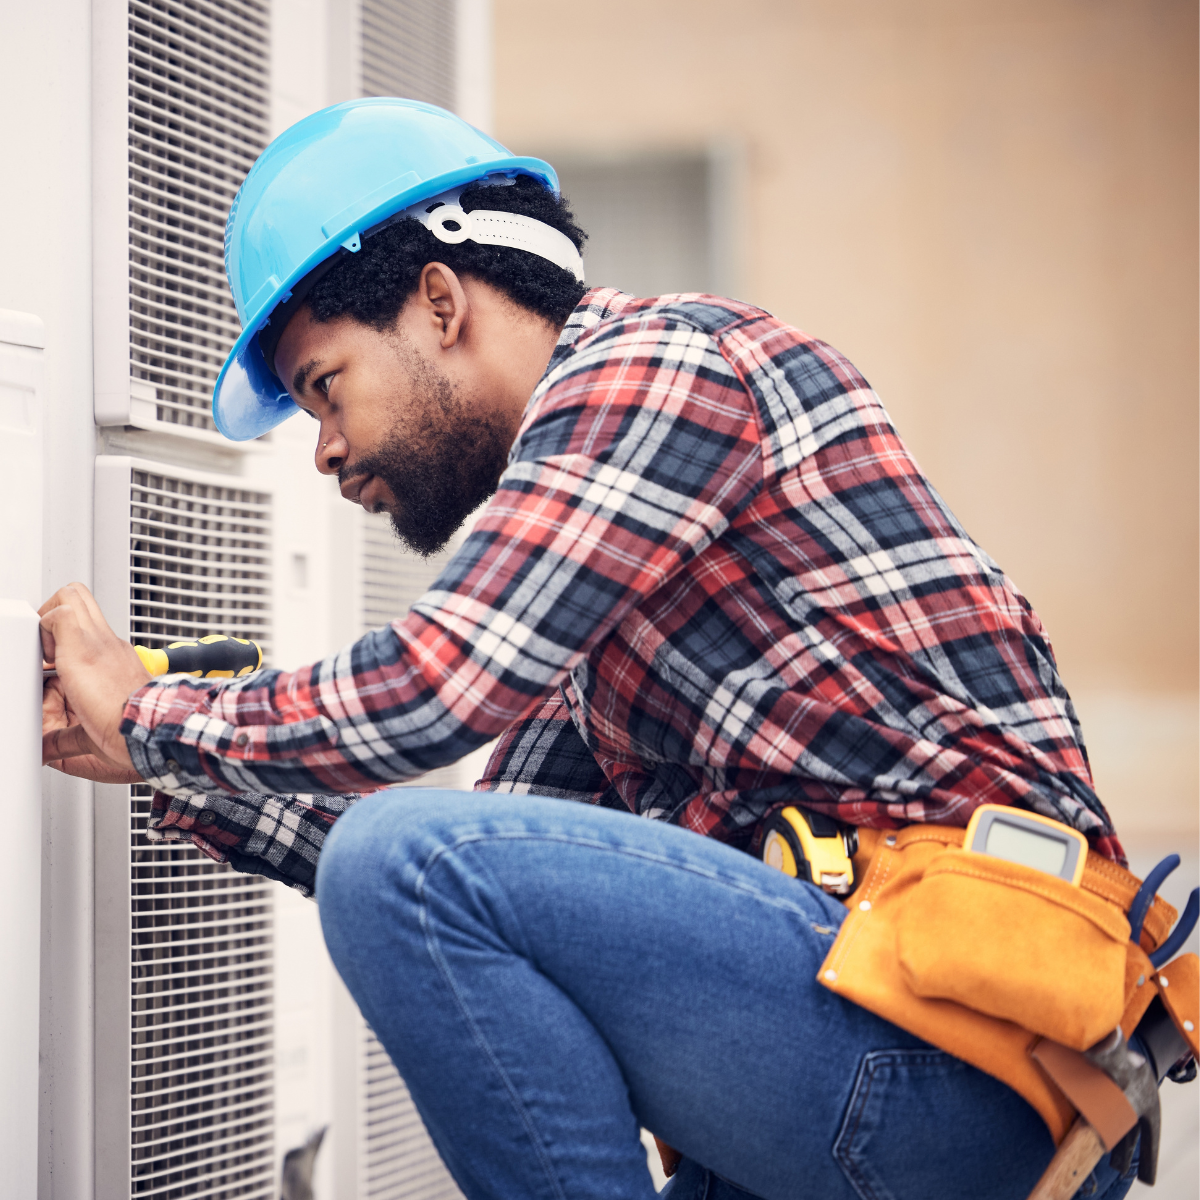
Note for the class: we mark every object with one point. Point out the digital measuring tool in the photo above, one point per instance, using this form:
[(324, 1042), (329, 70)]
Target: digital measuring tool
[(1029, 839)]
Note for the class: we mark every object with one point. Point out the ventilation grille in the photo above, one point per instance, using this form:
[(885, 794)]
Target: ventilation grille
[(200, 559), (197, 121), (408, 50), (401, 1162), (393, 579), (201, 1077)]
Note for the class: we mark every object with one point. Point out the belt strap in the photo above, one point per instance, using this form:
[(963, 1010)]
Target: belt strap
[(1090, 1090)]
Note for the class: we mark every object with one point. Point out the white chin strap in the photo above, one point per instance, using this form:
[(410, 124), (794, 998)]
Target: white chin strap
[(491, 228)]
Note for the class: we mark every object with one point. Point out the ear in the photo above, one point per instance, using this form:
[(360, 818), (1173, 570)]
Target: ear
[(440, 293)]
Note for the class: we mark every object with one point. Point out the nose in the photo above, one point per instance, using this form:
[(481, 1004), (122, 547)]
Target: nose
[(331, 451)]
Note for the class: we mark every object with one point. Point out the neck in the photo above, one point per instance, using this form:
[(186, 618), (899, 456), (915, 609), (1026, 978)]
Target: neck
[(509, 347)]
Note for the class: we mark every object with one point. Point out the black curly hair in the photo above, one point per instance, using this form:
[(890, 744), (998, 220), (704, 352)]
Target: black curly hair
[(373, 285)]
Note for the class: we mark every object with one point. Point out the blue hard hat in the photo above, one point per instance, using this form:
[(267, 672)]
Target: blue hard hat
[(314, 192)]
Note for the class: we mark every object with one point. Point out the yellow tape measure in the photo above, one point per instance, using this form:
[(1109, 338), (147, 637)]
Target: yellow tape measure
[(811, 847)]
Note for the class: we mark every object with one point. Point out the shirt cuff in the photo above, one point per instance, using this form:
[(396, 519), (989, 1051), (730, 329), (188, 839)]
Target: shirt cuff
[(143, 711), (191, 817)]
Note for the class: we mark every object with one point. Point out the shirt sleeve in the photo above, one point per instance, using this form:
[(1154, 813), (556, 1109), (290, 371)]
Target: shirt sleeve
[(637, 450), (279, 837)]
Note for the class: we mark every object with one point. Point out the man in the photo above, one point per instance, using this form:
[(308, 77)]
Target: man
[(711, 579)]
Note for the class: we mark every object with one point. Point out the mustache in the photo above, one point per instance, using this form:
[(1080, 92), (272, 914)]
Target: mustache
[(367, 465)]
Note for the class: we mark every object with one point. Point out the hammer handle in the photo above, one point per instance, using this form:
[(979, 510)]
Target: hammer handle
[(1072, 1163)]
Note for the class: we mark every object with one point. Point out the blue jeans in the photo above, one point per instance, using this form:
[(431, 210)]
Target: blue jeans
[(548, 976)]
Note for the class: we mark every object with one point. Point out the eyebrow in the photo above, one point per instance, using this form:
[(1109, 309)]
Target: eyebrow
[(304, 374)]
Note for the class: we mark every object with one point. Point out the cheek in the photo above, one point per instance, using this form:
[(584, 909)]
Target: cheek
[(360, 417)]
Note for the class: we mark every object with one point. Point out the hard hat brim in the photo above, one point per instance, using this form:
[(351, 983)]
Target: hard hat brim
[(248, 398)]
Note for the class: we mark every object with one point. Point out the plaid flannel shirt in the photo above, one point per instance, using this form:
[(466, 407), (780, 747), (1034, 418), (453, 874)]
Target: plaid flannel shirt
[(712, 579)]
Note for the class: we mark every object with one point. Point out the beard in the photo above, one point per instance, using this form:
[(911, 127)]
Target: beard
[(441, 463)]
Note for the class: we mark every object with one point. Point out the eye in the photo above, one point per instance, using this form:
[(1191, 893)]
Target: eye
[(322, 384)]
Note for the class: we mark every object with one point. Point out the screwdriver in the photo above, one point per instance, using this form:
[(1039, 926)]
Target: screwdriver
[(212, 657)]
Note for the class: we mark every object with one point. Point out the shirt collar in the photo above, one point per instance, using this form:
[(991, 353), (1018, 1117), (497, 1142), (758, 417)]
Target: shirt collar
[(598, 304)]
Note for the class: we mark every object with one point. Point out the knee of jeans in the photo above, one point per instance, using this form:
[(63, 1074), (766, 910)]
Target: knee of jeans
[(354, 855), (379, 837)]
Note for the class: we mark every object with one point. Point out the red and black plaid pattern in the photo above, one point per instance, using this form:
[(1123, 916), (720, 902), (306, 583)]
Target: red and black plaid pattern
[(712, 569)]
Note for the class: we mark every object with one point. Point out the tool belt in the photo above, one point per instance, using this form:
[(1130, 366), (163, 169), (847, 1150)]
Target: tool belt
[(984, 958)]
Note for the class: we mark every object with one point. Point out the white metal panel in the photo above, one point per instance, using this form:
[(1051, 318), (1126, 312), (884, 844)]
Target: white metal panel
[(110, 210), (21, 338), (20, 895), (397, 1160)]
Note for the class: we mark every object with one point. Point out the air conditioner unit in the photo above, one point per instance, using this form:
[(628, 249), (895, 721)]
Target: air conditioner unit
[(206, 1069), (184, 959)]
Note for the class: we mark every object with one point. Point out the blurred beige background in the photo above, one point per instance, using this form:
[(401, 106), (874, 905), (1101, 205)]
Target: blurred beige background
[(992, 210)]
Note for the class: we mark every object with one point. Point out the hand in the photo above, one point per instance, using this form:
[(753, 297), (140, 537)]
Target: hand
[(97, 672), (85, 762)]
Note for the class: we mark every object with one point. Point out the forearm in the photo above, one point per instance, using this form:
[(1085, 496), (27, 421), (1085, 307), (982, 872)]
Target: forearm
[(616, 481), (371, 715)]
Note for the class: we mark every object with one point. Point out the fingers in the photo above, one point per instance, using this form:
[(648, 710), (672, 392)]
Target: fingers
[(54, 701), (76, 592), (83, 595), (66, 743), (53, 602), (69, 593), (96, 670), (45, 628), (76, 603), (58, 625), (96, 769)]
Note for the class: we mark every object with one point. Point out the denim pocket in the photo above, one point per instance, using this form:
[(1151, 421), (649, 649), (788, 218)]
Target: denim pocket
[(923, 1123)]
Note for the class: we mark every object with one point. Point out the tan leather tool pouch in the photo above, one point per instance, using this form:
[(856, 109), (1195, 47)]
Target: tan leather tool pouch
[(1015, 943), (968, 958)]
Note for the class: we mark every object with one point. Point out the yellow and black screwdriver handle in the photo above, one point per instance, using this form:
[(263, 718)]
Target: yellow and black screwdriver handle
[(810, 846), (212, 657)]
